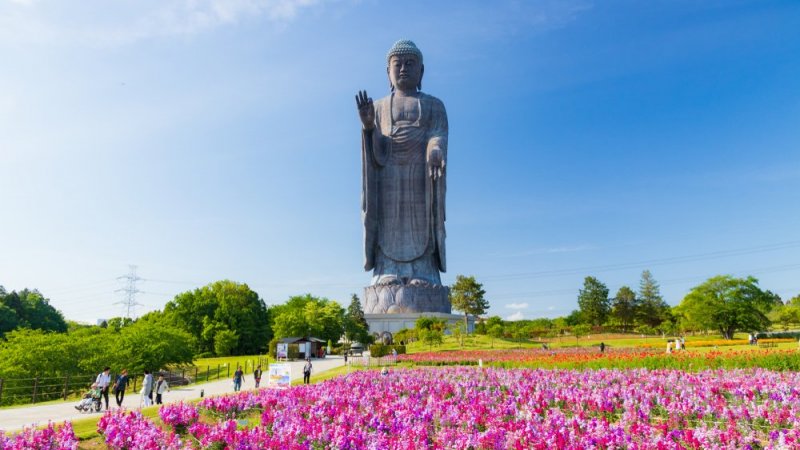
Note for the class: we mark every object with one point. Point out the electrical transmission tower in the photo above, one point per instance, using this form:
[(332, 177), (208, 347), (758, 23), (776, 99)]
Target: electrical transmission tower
[(129, 303)]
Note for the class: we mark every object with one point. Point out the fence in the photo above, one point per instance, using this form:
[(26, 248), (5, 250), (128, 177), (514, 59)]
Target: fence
[(16, 391), (368, 361)]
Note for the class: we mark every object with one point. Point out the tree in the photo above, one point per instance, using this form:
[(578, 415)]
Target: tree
[(355, 325), (222, 305), (537, 328), (405, 335), (225, 341), (430, 323), (31, 310), (624, 307), (495, 332), (118, 322), (148, 345), (457, 331), (467, 295), (431, 337), (306, 315), (580, 331), (593, 301), (8, 320), (727, 304), (652, 307)]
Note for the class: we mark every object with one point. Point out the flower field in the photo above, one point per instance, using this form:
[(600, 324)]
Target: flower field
[(49, 438), (489, 408), (619, 358), (719, 342)]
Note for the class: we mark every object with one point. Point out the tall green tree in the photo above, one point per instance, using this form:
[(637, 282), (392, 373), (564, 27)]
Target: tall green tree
[(30, 310), (306, 315), (727, 304), (593, 302), (355, 325), (219, 306), (467, 295), (624, 307), (652, 310), (8, 320)]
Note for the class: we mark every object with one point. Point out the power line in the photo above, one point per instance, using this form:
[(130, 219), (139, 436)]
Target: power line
[(647, 263), (129, 302), (667, 282)]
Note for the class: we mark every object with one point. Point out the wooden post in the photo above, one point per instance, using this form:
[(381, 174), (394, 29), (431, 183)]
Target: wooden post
[(66, 386), (35, 386), (195, 374), (218, 369), (229, 371), (208, 370)]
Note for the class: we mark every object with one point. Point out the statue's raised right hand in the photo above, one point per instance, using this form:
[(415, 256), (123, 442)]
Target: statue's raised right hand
[(366, 110)]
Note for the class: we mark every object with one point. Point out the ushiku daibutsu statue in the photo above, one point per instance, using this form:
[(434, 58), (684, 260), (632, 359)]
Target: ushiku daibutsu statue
[(404, 155)]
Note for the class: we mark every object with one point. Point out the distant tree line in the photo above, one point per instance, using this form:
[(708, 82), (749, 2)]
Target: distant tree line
[(219, 319), (723, 303), (30, 310)]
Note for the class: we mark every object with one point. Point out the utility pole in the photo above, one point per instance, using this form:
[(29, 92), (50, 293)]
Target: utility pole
[(129, 301)]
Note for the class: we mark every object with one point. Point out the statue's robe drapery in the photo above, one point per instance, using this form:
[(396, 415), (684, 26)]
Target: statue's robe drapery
[(402, 205)]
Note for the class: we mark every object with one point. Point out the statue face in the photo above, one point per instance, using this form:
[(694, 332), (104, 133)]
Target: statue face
[(405, 72)]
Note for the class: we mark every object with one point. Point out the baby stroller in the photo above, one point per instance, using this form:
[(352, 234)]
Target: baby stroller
[(90, 402)]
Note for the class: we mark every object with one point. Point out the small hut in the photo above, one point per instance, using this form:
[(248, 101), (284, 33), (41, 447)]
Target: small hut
[(300, 348)]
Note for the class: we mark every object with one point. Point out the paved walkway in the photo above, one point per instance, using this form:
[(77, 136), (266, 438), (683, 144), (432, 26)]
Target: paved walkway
[(13, 419)]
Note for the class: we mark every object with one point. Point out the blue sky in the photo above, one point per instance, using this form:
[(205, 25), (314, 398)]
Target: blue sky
[(209, 139)]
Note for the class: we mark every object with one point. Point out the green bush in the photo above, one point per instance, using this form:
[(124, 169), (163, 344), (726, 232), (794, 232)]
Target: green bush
[(779, 335), (381, 350), (273, 348)]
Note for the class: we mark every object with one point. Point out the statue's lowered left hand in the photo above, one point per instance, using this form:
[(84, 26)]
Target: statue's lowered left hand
[(435, 163)]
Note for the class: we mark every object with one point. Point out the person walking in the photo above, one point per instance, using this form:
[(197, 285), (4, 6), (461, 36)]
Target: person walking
[(238, 378), (307, 372), (160, 388), (147, 389), (257, 376), (120, 385), (104, 382)]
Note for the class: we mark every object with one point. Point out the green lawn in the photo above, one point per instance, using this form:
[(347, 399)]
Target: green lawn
[(223, 367), (483, 342)]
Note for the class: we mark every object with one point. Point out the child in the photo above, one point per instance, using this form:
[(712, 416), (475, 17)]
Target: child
[(161, 387)]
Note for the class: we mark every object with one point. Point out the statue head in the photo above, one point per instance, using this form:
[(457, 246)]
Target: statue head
[(404, 66)]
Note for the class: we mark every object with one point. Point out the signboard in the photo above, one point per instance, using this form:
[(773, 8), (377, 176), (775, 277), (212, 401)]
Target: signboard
[(280, 375), (282, 351)]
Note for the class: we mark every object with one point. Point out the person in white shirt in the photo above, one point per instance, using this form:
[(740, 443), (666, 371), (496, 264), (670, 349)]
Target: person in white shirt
[(104, 382), (147, 389), (160, 387)]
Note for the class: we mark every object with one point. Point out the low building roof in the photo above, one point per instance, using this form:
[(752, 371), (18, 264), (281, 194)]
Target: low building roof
[(295, 340)]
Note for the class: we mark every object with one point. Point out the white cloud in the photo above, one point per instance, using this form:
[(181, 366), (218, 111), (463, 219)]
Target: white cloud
[(517, 305), (102, 23), (516, 316)]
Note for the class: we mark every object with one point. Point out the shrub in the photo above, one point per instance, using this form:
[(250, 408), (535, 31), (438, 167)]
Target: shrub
[(380, 350)]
